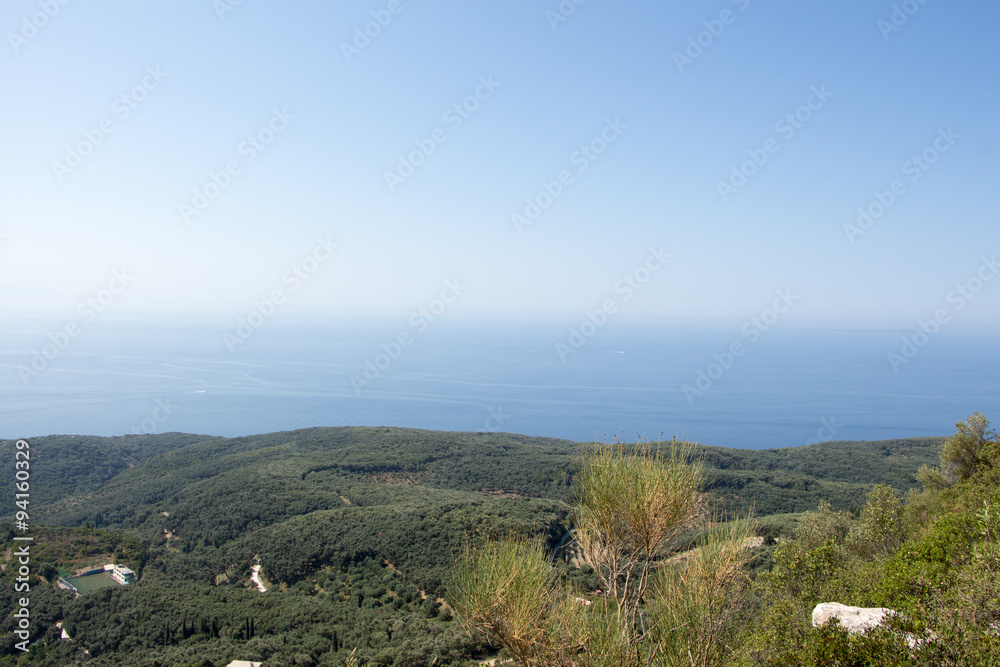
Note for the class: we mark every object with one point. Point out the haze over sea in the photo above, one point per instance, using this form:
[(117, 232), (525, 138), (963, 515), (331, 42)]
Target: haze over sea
[(788, 388)]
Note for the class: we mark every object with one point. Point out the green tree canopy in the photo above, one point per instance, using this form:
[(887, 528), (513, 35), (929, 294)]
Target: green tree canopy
[(973, 448)]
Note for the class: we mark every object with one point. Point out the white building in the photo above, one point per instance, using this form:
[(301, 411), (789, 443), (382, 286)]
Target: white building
[(120, 573)]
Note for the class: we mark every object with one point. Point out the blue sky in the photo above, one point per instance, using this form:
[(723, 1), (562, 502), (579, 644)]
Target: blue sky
[(887, 94)]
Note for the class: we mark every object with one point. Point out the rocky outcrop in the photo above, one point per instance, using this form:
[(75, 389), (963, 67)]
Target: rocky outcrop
[(855, 620), (858, 620)]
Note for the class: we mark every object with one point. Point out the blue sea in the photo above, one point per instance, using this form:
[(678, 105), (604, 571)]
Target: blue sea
[(787, 388)]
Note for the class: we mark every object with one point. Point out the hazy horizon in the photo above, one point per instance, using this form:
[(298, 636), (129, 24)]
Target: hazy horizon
[(740, 388), (568, 173)]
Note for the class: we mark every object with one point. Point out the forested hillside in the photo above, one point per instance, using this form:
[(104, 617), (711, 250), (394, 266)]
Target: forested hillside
[(906, 582), (356, 531)]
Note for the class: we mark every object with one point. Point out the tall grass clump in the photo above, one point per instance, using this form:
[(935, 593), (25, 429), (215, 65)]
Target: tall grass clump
[(631, 507)]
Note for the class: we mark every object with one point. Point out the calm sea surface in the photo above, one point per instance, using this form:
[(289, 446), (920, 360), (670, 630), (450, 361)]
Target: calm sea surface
[(787, 388)]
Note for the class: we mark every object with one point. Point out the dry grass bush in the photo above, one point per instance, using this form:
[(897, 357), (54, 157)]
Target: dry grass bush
[(697, 601), (630, 504)]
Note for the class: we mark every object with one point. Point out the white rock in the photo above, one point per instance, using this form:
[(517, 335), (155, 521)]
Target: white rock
[(854, 619)]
